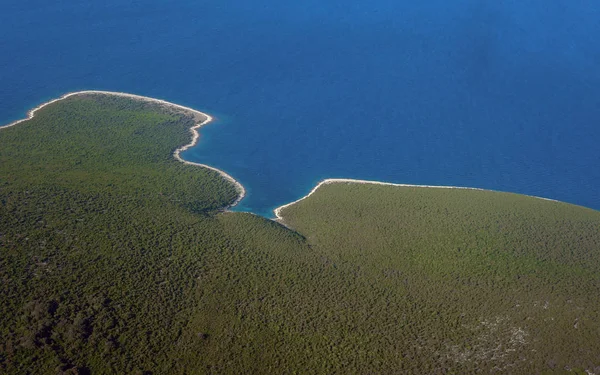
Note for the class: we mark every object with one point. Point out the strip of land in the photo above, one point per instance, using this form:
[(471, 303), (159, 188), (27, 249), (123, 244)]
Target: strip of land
[(201, 118), (279, 217)]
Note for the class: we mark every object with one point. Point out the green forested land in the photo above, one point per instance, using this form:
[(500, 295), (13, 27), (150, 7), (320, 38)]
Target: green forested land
[(115, 258), (499, 281)]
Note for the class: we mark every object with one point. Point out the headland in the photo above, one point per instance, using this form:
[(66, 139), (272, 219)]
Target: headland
[(279, 217), (201, 119)]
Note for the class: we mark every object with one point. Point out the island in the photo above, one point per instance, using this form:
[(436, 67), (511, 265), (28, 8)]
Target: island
[(118, 256)]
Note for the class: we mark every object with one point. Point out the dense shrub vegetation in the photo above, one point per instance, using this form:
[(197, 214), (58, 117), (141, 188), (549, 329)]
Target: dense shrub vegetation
[(115, 258), (502, 282)]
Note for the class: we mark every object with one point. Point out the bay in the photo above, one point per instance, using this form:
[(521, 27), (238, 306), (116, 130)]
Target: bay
[(502, 95)]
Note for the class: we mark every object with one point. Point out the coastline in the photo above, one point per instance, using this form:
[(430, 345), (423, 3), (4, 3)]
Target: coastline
[(239, 187), (176, 154), (279, 217)]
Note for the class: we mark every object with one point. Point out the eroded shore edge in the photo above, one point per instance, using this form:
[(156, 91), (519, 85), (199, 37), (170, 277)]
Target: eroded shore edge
[(177, 153)]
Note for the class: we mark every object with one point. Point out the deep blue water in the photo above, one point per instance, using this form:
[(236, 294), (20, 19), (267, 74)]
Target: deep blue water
[(502, 95)]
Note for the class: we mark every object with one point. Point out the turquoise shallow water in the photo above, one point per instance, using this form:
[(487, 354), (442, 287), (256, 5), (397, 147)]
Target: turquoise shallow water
[(498, 95)]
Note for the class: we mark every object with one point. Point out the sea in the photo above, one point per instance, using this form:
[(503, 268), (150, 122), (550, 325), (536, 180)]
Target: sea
[(494, 94)]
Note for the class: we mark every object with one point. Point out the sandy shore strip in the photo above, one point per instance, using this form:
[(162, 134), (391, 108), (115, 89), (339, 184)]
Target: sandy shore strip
[(203, 119), (279, 217)]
